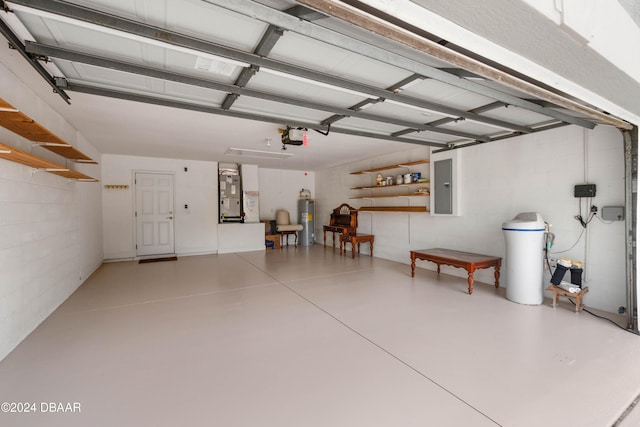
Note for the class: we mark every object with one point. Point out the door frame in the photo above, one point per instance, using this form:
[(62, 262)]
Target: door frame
[(134, 206)]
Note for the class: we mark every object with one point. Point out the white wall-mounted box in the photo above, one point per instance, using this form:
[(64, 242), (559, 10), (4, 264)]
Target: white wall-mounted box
[(613, 213)]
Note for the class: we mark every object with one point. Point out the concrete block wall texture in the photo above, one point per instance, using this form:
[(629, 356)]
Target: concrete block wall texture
[(50, 227)]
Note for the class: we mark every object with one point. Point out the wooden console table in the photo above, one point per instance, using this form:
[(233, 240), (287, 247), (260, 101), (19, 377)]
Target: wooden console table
[(469, 261), (355, 239)]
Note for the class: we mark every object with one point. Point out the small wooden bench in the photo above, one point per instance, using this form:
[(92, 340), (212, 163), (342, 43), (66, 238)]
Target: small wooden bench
[(467, 260), (355, 239)]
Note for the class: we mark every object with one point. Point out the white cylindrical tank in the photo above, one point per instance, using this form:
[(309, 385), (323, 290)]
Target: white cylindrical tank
[(524, 241)]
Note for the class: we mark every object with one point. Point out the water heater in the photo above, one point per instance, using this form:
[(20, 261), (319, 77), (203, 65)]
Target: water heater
[(306, 214)]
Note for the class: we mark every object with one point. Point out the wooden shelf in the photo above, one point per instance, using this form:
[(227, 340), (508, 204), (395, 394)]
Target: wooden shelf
[(393, 196), (389, 186), (396, 166), (38, 163), (393, 209), (18, 122)]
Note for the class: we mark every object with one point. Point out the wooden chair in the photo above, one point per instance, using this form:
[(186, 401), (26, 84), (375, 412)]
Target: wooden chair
[(284, 226)]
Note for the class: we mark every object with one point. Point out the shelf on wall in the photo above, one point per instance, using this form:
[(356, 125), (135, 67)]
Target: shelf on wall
[(395, 166), (38, 163), (426, 183), (13, 119), (393, 209), (394, 196), (382, 195)]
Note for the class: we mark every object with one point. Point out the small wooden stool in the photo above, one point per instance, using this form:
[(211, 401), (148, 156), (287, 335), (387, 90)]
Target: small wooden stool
[(355, 239), (563, 293)]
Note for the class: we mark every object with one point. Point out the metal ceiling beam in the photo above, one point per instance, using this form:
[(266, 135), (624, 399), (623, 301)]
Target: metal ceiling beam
[(166, 36), (357, 107), (16, 43), (404, 83), (360, 19), (501, 137), (305, 13), (93, 90), (69, 55), (267, 42), (481, 109), (365, 48)]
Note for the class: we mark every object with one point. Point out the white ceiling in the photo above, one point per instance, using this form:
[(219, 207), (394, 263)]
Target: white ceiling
[(176, 92)]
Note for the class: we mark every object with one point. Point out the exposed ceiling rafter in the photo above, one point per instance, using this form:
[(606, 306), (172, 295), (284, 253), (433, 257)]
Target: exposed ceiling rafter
[(166, 36), (268, 41), (360, 19), (73, 87), (55, 52), (366, 48), (17, 44)]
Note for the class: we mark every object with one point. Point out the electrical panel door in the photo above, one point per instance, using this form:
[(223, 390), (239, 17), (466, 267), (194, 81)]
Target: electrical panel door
[(443, 187)]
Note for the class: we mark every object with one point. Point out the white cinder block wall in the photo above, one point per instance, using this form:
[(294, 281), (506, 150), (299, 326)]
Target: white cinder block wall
[(530, 173), (50, 227), (195, 228)]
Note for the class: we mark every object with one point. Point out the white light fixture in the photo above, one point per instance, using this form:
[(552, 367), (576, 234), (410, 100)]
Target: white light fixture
[(256, 153), (125, 35), (8, 110), (5, 151), (316, 83)]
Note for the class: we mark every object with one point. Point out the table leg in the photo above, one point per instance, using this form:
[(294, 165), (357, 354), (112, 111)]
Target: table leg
[(578, 303), (413, 265), (324, 237), (438, 268), (353, 249), (555, 299), (497, 275), (470, 280), (371, 247)]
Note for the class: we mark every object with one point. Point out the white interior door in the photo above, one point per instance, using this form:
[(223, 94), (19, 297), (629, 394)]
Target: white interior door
[(154, 214)]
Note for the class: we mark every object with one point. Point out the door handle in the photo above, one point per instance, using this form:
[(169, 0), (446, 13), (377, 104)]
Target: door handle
[(446, 184)]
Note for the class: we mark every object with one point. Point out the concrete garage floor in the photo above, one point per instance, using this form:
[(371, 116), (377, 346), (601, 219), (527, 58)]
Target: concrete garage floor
[(306, 337)]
